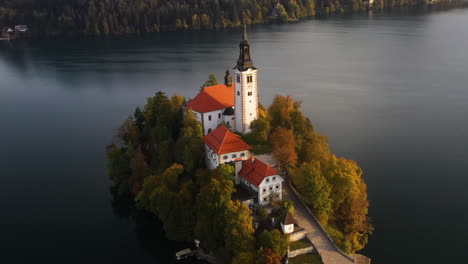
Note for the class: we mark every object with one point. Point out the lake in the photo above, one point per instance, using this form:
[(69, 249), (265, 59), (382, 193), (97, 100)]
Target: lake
[(389, 90)]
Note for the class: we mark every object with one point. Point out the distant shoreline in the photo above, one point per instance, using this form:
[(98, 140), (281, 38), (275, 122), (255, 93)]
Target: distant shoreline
[(102, 21)]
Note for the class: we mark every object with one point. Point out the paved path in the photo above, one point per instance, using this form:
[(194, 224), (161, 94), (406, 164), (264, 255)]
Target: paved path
[(321, 241)]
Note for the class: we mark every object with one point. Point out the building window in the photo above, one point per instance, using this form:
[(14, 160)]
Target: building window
[(238, 93), (242, 154), (250, 114), (277, 186), (225, 157), (234, 156), (219, 115), (249, 93), (238, 78), (271, 188), (209, 130), (264, 199), (209, 117), (267, 180), (249, 78), (228, 124), (274, 178), (264, 190)]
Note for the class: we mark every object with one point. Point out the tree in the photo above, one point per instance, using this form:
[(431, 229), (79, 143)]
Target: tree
[(283, 15), (118, 168), (212, 80), (260, 129), (211, 204), (245, 258), (268, 256), (140, 171), (226, 171), (238, 232), (317, 149), (280, 111), (314, 189), (171, 200), (284, 147), (275, 241)]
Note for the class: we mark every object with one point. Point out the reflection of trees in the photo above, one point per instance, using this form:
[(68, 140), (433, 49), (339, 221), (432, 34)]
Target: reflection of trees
[(13, 53), (149, 230)]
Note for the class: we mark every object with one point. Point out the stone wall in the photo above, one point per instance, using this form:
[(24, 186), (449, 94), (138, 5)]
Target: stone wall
[(301, 251), (297, 235)]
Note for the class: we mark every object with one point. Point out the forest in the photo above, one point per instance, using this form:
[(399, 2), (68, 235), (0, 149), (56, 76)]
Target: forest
[(124, 17)]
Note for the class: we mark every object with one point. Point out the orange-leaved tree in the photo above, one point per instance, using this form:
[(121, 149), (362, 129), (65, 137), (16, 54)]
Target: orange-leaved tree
[(284, 147)]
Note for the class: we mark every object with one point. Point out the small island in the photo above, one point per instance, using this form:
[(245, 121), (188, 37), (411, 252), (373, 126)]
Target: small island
[(251, 184)]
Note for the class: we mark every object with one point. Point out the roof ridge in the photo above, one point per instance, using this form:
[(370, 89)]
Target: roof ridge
[(225, 134)]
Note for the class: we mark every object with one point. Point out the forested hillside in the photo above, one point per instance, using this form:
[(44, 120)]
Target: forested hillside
[(120, 17)]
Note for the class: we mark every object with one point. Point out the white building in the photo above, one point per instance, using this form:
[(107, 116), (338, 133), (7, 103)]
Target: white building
[(223, 146), (261, 178), (287, 225)]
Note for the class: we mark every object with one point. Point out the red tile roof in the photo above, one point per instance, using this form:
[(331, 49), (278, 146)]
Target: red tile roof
[(222, 141), (255, 170), (213, 98)]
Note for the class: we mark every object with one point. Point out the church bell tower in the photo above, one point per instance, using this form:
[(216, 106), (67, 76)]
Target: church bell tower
[(246, 92)]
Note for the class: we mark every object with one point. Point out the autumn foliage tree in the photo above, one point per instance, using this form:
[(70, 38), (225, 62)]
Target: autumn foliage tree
[(333, 187), (284, 147)]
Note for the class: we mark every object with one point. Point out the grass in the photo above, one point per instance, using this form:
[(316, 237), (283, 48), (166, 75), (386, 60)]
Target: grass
[(303, 243), (306, 259), (257, 147)]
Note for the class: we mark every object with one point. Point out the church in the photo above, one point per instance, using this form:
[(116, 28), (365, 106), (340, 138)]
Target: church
[(225, 112)]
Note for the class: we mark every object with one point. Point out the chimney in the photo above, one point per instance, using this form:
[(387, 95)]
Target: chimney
[(252, 159)]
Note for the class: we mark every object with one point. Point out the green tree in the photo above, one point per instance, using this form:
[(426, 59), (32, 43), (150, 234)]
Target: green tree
[(118, 169), (274, 240), (212, 80), (238, 233), (260, 129), (211, 204), (283, 15), (314, 189)]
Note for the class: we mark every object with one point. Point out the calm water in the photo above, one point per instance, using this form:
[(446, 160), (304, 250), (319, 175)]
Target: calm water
[(390, 91)]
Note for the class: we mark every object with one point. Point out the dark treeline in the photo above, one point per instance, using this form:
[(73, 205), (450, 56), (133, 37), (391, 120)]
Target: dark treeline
[(121, 17)]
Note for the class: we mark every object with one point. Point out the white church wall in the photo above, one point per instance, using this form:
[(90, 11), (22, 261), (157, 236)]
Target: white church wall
[(216, 120), (212, 159)]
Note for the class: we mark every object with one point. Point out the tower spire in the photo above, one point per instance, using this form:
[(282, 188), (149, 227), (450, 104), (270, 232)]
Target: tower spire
[(244, 62), (244, 27), (227, 78)]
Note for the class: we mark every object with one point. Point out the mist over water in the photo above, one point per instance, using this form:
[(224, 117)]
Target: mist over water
[(389, 91)]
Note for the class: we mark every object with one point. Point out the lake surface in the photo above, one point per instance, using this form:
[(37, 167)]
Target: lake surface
[(390, 91)]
